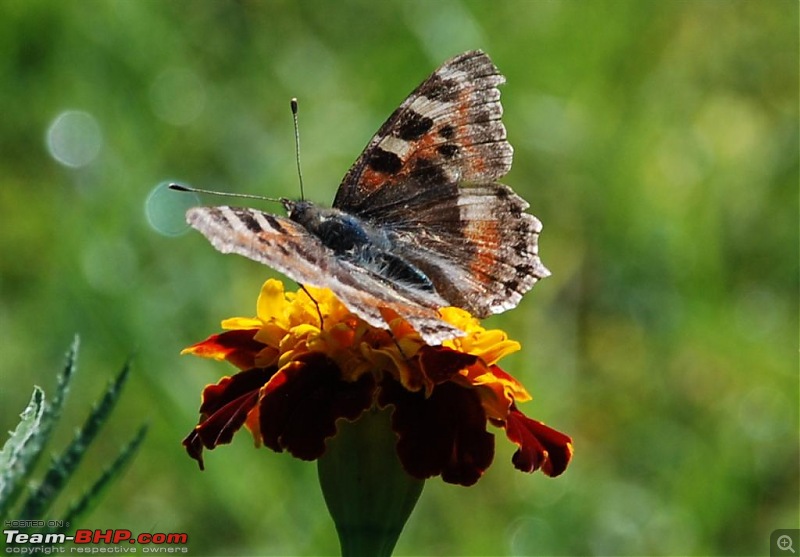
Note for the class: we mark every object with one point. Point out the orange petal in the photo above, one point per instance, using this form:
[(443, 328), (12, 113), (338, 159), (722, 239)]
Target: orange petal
[(238, 347)]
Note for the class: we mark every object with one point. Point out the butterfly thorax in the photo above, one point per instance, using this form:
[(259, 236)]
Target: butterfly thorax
[(356, 240), (339, 231)]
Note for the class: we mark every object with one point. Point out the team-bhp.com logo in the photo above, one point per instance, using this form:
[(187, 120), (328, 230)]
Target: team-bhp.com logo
[(87, 541)]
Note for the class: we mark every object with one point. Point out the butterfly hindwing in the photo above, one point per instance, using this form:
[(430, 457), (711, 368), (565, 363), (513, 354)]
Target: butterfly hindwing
[(478, 246)]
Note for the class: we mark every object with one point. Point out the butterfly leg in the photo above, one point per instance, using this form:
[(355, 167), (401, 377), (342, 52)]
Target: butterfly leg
[(316, 305), (399, 348)]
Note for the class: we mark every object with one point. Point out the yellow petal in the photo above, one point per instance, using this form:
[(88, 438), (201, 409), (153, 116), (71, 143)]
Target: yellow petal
[(237, 323), (272, 304)]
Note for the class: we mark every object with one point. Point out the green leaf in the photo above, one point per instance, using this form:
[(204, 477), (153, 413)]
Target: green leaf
[(34, 445), (53, 410), (19, 450)]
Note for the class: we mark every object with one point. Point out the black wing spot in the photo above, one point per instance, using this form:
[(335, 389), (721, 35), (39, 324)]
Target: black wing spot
[(511, 285), (447, 131), (448, 150), (525, 270), (438, 89), (413, 126), (426, 172), (274, 223), (521, 249), (384, 161), (250, 222)]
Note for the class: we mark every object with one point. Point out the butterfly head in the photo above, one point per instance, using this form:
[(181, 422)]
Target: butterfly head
[(304, 213), (295, 208)]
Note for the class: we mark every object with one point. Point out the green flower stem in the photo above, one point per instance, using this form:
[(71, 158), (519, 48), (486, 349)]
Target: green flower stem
[(369, 495)]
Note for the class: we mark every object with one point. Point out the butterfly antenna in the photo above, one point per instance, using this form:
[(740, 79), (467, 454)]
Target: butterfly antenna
[(297, 146), (178, 187)]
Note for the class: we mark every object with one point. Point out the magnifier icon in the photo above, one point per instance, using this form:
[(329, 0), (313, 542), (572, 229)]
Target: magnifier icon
[(785, 542)]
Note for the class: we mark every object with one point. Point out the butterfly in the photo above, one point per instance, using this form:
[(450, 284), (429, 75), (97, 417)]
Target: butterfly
[(419, 221)]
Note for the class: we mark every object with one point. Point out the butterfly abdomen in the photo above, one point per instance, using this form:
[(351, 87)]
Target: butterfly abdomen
[(393, 268)]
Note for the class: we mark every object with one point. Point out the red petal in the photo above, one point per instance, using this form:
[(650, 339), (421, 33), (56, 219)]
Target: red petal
[(539, 446), (440, 363), (300, 405), (224, 410), (194, 446), (442, 434), (231, 388)]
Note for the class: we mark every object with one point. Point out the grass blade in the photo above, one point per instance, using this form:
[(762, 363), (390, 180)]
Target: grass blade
[(65, 464), (90, 498)]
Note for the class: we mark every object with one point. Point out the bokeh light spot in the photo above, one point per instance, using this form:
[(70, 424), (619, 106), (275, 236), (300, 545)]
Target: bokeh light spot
[(74, 138), (530, 535), (165, 209), (178, 96)]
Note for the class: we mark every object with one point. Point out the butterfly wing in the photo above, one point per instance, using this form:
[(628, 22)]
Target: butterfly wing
[(429, 175), (478, 246), (289, 248), (447, 131)]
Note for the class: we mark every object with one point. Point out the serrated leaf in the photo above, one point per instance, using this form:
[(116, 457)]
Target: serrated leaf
[(52, 410), (66, 463), (17, 454)]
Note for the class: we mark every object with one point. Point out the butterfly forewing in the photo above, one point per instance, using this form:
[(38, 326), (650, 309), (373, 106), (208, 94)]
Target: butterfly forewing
[(447, 131), (289, 248)]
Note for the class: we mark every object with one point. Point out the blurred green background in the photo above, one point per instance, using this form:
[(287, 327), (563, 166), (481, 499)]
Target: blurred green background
[(657, 142)]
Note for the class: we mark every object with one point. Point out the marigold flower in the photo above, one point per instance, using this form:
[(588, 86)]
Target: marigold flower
[(299, 376)]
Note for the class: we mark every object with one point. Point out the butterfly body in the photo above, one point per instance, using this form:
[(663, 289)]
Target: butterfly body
[(357, 241), (418, 223)]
